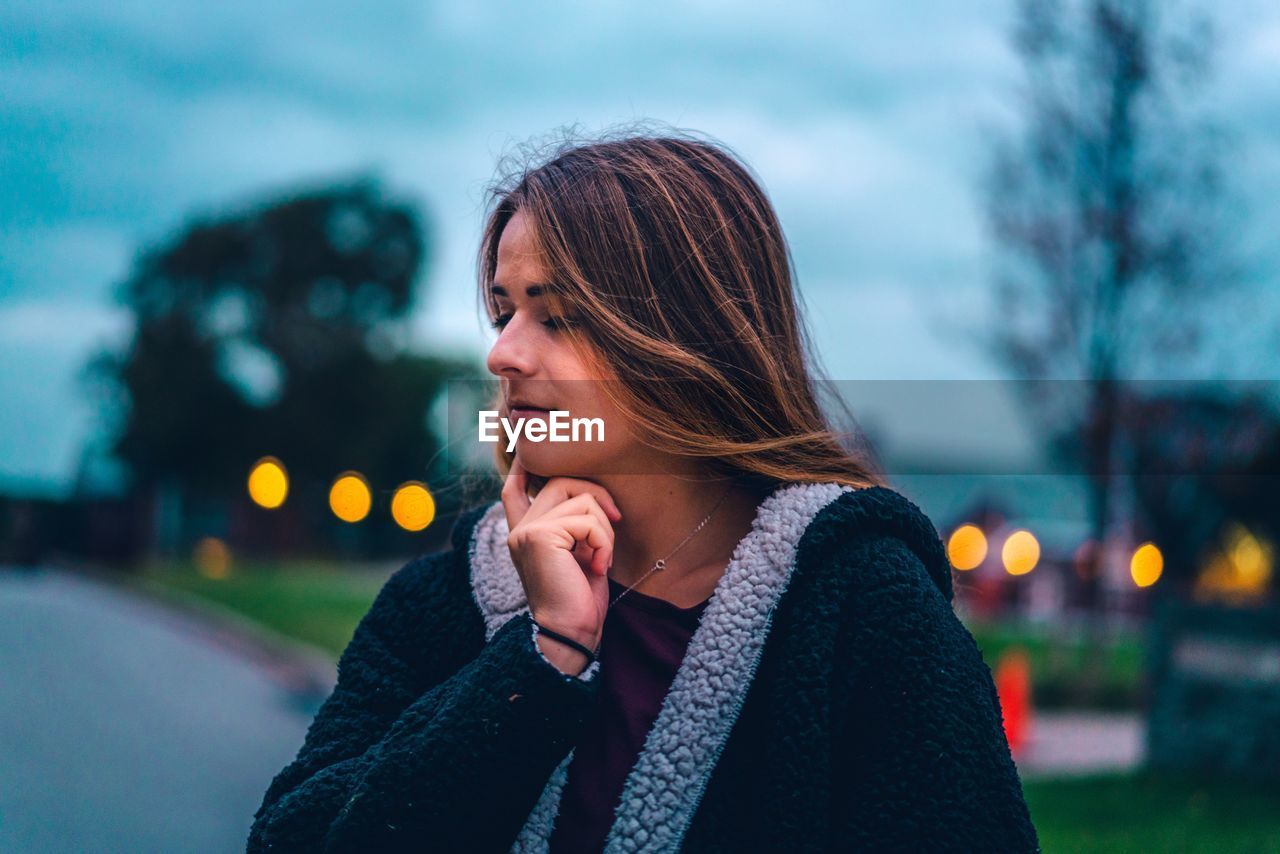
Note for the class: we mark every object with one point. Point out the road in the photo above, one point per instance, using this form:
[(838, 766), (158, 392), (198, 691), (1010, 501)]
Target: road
[(129, 726)]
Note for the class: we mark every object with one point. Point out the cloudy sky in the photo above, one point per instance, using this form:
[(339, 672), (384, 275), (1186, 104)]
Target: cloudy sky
[(864, 120)]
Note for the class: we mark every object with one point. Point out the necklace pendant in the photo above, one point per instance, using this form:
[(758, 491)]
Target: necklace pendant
[(661, 564)]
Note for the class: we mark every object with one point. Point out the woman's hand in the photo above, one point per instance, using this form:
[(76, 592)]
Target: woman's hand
[(562, 545)]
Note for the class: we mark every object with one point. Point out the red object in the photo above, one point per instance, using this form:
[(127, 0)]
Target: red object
[(1013, 685)]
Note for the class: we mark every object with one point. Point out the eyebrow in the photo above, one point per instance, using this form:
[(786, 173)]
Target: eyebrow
[(532, 290)]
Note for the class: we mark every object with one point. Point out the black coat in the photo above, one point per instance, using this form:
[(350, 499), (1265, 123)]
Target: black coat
[(829, 700)]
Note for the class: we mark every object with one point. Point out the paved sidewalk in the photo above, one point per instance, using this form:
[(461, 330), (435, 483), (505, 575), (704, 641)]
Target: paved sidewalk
[(1074, 743), (127, 725)]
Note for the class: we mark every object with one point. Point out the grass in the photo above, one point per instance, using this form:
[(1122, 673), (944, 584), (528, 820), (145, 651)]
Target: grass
[(1061, 674), (1154, 812), (316, 602)]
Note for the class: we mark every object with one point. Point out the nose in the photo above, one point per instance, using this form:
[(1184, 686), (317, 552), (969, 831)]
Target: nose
[(514, 353)]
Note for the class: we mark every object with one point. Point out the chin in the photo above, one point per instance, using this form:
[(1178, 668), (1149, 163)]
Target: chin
[(559, 460)]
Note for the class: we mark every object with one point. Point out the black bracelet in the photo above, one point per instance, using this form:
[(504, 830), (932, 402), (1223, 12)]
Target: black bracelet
[(543, 630)]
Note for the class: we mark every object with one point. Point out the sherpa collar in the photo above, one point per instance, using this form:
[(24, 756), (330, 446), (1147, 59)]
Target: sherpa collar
[(666, 784)]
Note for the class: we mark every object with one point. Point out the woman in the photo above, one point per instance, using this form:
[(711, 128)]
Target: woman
[(712, 629)]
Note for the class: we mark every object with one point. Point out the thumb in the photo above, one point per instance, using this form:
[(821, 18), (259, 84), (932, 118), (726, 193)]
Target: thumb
[(515, 493)]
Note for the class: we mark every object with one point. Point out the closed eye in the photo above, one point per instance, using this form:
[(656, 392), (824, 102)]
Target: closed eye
[(558, 322), (551, 322)]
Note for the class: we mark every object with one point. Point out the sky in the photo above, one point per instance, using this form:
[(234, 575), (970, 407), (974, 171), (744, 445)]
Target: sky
[(864, 121)]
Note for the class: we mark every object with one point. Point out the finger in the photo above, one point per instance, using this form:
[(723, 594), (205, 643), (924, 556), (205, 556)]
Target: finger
[(586, 528), (584, 503), (585, 556), (515, 495), (559, 489)]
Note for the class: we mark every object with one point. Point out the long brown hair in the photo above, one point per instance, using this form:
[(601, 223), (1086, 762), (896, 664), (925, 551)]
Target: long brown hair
[(669, 256)]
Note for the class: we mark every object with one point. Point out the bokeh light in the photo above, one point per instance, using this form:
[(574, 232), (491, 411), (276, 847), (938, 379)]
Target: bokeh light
[(212, 558), (268, 483), (1084, 559), (967, 547), (412, 506), (350, 497), (1021, 552), (1146, 565), (1240, 572)]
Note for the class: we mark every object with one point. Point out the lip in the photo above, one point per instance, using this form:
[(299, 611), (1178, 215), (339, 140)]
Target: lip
[(525, 406)]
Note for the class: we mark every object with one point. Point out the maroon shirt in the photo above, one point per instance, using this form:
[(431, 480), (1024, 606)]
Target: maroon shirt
[(641, 647)]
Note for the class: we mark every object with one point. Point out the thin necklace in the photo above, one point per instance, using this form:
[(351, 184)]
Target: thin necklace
[(661, 563)]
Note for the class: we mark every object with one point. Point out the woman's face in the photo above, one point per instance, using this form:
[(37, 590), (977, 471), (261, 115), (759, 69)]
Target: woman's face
[(536, 364)]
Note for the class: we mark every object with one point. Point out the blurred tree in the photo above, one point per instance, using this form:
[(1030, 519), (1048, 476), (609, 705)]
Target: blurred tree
[(1108, 208), (278, 330)]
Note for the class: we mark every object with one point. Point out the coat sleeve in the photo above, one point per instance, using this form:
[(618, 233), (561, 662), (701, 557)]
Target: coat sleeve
[(921, 758), (388, 764)]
